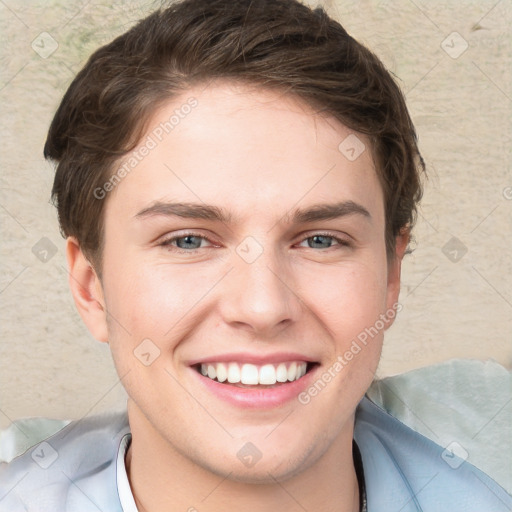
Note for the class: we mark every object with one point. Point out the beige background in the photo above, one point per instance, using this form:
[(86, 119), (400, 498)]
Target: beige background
[(461, 105)]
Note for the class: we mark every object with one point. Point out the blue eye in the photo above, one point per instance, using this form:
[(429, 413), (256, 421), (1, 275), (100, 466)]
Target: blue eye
[(188, 242), (322, 241), (191, 242)]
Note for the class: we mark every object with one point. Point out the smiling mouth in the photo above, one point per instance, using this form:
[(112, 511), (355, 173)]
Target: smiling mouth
[(251, 376)]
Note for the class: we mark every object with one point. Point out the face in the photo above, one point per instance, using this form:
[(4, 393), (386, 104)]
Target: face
[(244, 258)]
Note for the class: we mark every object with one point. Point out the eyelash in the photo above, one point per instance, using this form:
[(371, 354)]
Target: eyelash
[(167, 243)]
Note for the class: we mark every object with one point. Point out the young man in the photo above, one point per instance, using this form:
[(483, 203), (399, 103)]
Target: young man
[(237, 182)]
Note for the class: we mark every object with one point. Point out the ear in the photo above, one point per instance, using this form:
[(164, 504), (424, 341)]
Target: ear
[(86, 290), (394, 271)]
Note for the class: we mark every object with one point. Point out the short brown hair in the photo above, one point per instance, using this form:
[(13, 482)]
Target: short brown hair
[(279, 44)]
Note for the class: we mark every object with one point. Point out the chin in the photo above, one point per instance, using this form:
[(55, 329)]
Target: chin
[(274, 465)]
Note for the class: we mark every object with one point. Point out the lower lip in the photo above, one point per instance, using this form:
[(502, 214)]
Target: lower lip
[(257, 398)]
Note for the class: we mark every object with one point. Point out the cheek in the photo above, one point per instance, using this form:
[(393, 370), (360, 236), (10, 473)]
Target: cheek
[(348, 298), (155, 301)]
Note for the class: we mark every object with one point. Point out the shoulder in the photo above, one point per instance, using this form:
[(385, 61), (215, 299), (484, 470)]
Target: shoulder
[(406, 471), (62, 472)]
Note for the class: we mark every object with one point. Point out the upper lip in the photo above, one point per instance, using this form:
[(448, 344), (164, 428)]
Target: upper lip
[(251, 358)]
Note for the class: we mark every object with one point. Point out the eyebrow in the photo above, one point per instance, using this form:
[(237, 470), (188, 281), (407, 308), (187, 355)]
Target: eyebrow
[(328, 212), (186, 210), (214, 213)]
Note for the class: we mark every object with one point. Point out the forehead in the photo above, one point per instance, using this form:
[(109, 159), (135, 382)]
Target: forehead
[(248, 150)]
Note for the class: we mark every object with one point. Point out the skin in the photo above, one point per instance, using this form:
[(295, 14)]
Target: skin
[(259, 155)]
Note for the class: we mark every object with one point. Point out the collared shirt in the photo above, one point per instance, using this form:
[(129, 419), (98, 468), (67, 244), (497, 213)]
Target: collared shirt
[(123, 484), (128, 502), (81, 469)]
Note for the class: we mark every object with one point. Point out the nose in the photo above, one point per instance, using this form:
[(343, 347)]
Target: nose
[(260, 297)]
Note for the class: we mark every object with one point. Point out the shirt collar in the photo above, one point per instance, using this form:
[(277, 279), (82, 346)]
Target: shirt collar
[(123, 485)]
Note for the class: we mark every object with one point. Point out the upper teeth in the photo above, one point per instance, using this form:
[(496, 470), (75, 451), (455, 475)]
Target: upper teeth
[(267, 374)]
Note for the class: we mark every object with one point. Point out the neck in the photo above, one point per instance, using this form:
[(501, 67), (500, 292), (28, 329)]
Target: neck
[(161, 478)]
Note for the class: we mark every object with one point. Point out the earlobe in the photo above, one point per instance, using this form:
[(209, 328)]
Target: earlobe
[(87, 290), (394, 270)]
